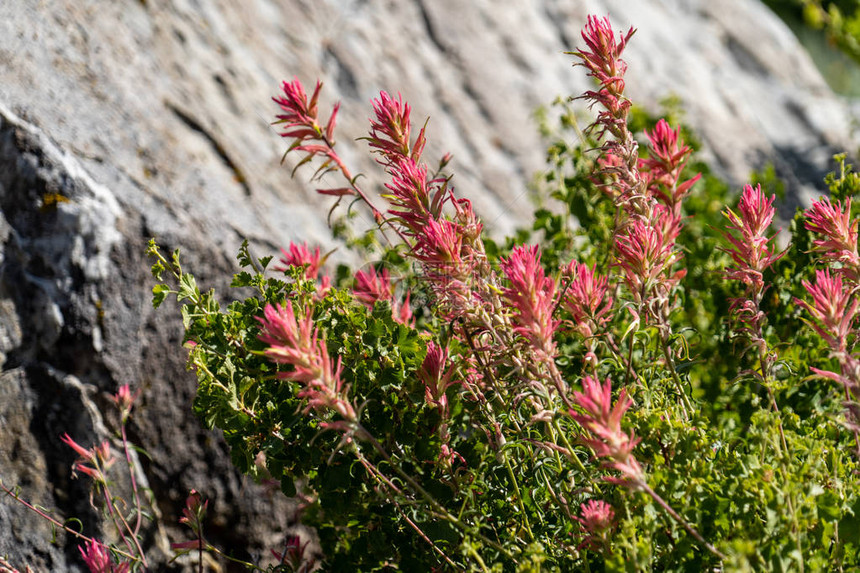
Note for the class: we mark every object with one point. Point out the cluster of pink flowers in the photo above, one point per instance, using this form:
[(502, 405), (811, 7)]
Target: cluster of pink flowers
[(752, 252), (835, 302), (448, 246), (603, 60), (297, 342), (648, 191), (837, 242), (192, 516), (300, 256), (93, 461), (371, 286), (587, 299), (97, 558), (438, 376), (662, 168), (597, 519), (601, 421), (532, 295)]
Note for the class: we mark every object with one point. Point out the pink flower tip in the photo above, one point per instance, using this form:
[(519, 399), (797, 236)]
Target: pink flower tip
[(97, 558)]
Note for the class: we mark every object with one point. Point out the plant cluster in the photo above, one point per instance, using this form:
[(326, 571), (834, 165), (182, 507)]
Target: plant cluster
[(634, 390), (642, 380)]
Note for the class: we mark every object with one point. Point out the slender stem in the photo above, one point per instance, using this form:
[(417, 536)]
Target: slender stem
[(629, 360), (569, 447), (131, 472), (519, 496), (681, 521), (117, 514), (416, 487), (670, 362), (63, 526), (477, 557)]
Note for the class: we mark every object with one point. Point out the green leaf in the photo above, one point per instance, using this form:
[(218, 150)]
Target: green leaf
[(159, 292)]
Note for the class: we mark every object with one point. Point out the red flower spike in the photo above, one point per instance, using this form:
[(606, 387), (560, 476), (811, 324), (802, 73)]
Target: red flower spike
[(371, 286), (603, 60), (834, 308), (751, 250), (839, 235), (668, 155), (97, 558), (93, 461), (586, 299), (435, 377), (296, 342), (645, 253), (301, 123), (390, 132), (601, 422), (532, 296), (597, 519), (301, 256)]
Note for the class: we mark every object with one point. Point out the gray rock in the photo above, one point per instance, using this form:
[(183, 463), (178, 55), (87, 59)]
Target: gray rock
[(123, 120)]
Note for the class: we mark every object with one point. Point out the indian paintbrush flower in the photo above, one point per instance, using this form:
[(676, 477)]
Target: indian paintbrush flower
[(586, 299), (752, 252), (834, 308), (98, 560), (532, 296), (298, 343), (838, 242), (371, 286), (93, 461), (601, 421), (597, 519), (663, 166)]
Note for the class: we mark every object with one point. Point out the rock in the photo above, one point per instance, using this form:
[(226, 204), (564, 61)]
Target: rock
[(124, 120)]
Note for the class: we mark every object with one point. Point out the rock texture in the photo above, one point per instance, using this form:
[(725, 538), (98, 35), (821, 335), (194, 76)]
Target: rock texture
[(128, 119)]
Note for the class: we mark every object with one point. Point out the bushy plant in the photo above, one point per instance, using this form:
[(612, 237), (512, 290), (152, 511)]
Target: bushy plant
[(653, 384)]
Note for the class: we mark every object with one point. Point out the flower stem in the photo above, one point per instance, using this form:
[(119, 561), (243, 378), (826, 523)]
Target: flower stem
[(681, 521)]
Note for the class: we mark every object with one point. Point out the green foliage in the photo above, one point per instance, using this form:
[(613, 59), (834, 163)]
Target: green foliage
[(839, 19), (762, 466)]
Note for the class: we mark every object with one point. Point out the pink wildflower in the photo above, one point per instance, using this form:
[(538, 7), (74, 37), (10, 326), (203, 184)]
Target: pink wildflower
[(294, 555), (414, 197), (440, 247), (667, 159), (98, 560), (839, 242), (647, 252), (601, 422), (371, 287), (752, 250), (435, 376), (93, 461), (192, 516), (604, 61), (301, 256), (301, 119), (390, 133), (586, 299), (597, 519), (602, 58), (296, 342), (834, 308), (124, 400), (532, 296)]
